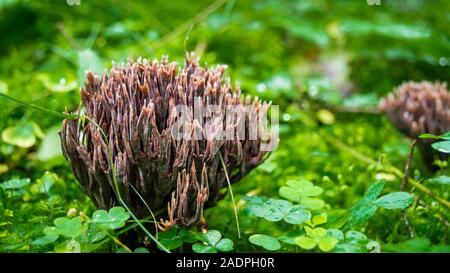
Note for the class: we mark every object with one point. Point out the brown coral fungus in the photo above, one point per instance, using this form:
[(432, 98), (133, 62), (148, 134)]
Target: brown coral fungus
[(418, 108), (163, 130)]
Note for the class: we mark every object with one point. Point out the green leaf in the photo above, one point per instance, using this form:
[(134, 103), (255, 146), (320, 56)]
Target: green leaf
[(361, 213), (201, 248), (335, 233), (224, 245), (212, 237), (355, 237), (305, 242), (273, 214), (141, 250), (51, 231), (289, 238), (327, 243), (115, 219), (171, 244), (289, 193), (297, 215), (70, 228), (374, 191), (365, 208), (445, 136), (187, 236), (416, 245), (22, 135), (319, 219), (268, 242), (13, 184), (395, 200), (312, 203), (298, 189), (95, 234), (443, 179), (305, 188), (315, 233), (45, 240), (442, 146), (431, 136)]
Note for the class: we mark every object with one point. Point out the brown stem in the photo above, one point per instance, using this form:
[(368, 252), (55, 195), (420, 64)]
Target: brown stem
[(405, 181), (408, 165)]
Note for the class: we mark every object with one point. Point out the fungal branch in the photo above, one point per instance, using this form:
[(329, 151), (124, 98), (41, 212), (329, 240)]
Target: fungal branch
[(117, 190)]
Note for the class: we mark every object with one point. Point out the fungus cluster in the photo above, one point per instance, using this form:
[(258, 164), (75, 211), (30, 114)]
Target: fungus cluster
[(418, 108), (129, 129)]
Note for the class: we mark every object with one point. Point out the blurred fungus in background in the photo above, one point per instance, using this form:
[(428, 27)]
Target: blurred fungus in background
[(419, 108)]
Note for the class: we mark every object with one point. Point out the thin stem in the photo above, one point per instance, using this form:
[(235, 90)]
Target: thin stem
[(38, 108), (149, 209), (404, 182), (408, 164), (232, 196), (117, 241)]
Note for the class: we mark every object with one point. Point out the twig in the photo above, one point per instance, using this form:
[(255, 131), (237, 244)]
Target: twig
[(404, 182), (363, 158)]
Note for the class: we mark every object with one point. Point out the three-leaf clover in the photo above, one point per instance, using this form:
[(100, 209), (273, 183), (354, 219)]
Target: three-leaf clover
[(303, 192), (316, 237), (275, 210), (174, 238), (114, 219), (354, 241), (212, 242)]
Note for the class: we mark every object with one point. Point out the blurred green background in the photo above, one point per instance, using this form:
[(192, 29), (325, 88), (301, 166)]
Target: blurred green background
[(314, 58)]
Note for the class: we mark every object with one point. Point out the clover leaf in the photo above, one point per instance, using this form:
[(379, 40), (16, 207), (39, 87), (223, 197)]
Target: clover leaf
[(212, 242), (70, 228), (297, 215), (268, 242), (115, 219), (275, 210), (302, 191), (316, 237), (354, 242), (22, 135)]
